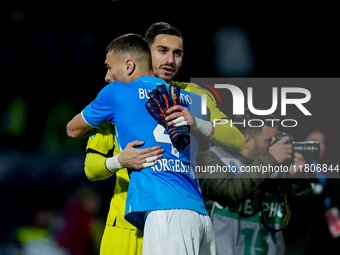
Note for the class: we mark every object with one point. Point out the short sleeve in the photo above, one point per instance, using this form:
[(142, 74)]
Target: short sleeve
[(101, 110)]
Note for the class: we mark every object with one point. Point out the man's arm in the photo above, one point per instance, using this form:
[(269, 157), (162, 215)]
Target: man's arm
[(102, 145), (96, 164), (223, 135), (77, 127), (300, 186), (181, 116), (226, 187), (95, 168)]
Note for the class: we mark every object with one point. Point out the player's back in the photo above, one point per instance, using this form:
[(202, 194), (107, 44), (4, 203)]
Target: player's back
[(170, 184)]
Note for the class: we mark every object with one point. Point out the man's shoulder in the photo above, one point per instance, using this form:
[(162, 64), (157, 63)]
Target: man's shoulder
[(185, 85), (192, 87), (149, 79), (111, 87), (228, 158)]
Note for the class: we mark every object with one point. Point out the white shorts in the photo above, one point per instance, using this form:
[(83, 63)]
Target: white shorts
[(178, 231)]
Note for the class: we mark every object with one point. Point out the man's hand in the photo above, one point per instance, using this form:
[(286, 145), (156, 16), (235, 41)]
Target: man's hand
[(181, 116), (134, 158), (281, 151), (179, 111), (159, 102), (299, 163)]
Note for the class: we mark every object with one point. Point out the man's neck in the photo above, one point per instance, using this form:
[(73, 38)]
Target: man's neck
[(137, 74)]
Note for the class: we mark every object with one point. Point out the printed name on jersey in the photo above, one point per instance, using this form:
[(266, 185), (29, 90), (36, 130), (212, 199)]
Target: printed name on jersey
[(174, 165), (144, 93), (274, 209)]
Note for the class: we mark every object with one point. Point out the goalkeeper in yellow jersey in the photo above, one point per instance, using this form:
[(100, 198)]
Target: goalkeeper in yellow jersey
[(103, 158)]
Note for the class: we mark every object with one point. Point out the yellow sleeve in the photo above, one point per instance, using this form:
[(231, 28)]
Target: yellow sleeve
[(100, 146), (95, 169), (226, 136)]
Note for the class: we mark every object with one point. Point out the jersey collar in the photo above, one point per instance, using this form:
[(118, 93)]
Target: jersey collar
[(151, 79)]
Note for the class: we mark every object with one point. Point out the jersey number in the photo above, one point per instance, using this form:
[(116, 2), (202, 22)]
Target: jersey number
[(161, 137), (261, 247)]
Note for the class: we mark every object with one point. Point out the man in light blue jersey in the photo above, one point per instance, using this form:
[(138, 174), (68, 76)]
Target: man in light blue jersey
[(163, 200)]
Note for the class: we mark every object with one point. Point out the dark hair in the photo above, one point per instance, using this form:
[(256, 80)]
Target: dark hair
[(161, 28), (253, 131), (128, 43)]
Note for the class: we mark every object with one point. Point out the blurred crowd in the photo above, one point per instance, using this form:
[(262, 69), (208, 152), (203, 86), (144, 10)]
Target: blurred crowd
[(75, 229)]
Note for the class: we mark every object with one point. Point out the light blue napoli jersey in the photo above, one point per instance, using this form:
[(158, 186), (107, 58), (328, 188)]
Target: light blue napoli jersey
[(171, 184)]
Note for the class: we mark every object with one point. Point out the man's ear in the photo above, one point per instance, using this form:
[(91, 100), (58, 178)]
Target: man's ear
[(130, 66), (249, 142)]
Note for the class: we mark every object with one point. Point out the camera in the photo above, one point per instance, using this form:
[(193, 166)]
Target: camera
[(308, 149)]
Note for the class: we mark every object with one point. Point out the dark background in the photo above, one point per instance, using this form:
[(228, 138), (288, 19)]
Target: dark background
[(52, 56)]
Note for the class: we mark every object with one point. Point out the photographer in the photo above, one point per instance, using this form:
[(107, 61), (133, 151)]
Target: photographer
[(251, 208)]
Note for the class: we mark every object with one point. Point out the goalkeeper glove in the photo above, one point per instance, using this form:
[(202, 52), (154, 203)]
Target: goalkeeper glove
[(157, 105)]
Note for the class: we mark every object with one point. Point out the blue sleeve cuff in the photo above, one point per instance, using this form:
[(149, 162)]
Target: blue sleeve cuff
[(86, 118)]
